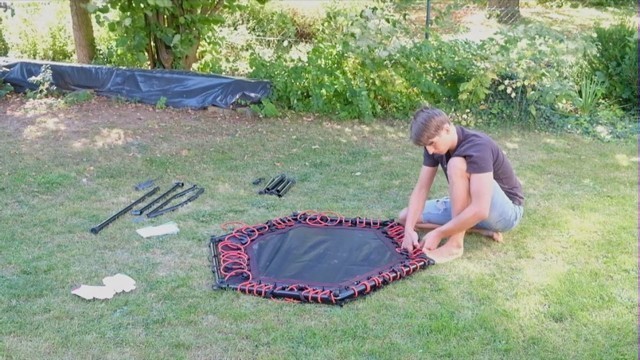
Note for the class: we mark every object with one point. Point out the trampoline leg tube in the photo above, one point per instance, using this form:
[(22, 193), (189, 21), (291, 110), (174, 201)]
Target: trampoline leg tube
[(285, 188), (156, 200), (162, 210), (96, 229), (273, 184)]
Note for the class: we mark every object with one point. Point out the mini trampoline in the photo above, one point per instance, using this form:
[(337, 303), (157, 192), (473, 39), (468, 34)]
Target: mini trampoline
[(313, 257)]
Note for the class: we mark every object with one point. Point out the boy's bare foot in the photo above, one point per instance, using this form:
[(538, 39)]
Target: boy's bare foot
[(445, 253), (494, 235)]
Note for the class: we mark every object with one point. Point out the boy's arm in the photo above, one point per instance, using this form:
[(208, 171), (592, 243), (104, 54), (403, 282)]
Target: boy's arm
[(416, 205)]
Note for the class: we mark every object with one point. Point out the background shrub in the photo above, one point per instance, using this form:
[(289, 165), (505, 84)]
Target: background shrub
[(532, 70), (373, 62), (228, 47), (4, 46), (40, 32), (376, 68), (112, 50), (591, 3), (5, 89), (615, 63)]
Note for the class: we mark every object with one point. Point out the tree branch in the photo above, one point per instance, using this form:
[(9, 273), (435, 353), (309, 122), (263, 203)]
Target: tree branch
[(208, 10)]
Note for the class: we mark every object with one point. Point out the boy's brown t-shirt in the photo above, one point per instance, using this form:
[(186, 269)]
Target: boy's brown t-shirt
[(483, 155)]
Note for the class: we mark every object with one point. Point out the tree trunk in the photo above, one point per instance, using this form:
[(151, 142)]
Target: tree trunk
[(82, 31), (164, 55), (507, 11), (192, 55), (161, 55)]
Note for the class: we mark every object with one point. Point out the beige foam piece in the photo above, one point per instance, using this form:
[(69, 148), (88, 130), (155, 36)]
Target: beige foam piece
[(112, 285), (94, 292), (119, 283), (164, 229)]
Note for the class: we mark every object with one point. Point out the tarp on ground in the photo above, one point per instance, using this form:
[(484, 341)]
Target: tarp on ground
[(181, 89)]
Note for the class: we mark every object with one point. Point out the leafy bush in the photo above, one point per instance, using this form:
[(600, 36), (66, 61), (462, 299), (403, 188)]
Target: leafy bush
[(59, 45), (615, 63), (374, 69), (161, 104), (590, 91), (111, 50), (280, 24), (5, 89), (530, 81), (543, 81), (373, 63), (4, 46), (227, 48), (41, 33), (78, 97), (44, 80), (590, 3), (265, 109)]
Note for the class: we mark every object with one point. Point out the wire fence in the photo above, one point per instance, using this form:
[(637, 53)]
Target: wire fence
[(505, 12)]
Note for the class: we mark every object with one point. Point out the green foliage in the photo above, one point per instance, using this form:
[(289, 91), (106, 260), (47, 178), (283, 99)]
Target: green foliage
[(226, 48), (590, 3), (40, 32), (615, 63), (444, 21), (161, 104), (591, 90), (280, 25), (531, 76), (44, 81), (476, 90), (372, 62), (60, 44), (56, 47), (374, 69), (527, 75), (5, 88), (4, 46), (78, 97), (266, 109), (167, 33), (112, 49)]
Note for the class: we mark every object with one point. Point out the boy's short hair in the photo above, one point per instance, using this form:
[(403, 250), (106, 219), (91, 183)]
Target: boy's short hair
[(426, 124)]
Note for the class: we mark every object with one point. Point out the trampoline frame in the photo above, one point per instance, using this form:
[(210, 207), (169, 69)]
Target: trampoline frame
[(230, 260)]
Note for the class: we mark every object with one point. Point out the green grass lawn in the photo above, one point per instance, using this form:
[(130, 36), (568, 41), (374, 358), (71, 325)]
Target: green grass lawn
[(562, 286)]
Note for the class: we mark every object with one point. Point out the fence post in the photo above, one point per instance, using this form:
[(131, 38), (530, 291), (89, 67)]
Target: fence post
[(427, 20)]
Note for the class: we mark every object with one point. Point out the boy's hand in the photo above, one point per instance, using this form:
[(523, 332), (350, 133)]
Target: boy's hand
[(431, 240), (410, 240)]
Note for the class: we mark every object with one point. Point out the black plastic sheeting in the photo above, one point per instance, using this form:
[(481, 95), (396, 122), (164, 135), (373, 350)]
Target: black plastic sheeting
[(321, 256), (181, 89)]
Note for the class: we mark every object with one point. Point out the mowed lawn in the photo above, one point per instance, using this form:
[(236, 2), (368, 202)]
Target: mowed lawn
[(562, 286)]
